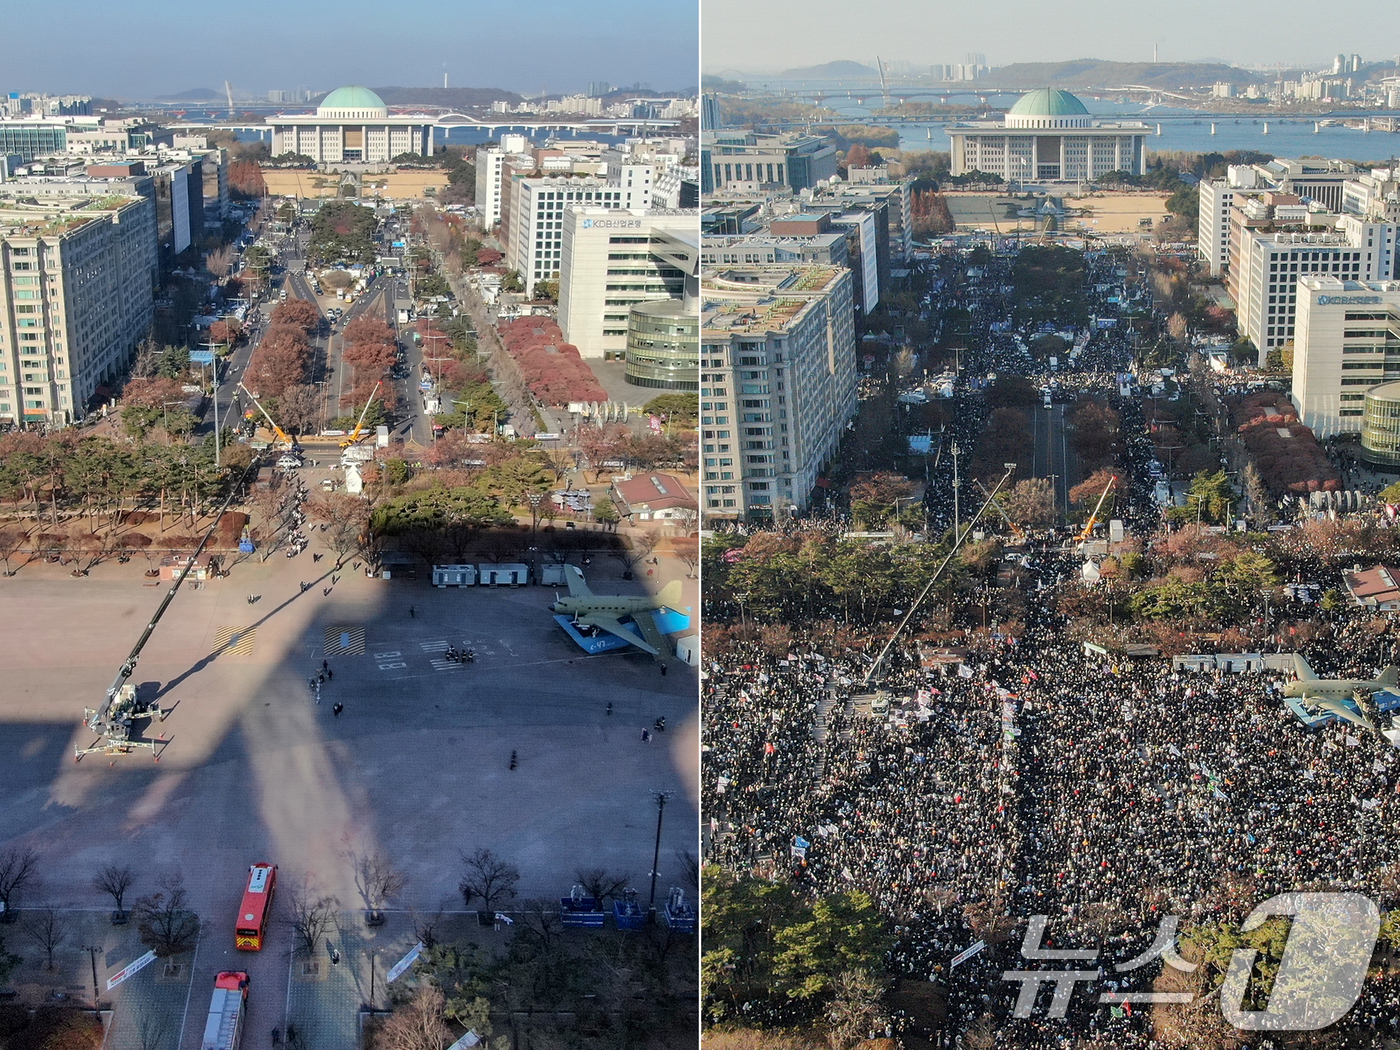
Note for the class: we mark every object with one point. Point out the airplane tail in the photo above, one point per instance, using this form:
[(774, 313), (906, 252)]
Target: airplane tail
[(1302, 668), (1390, 676), (670, 595)]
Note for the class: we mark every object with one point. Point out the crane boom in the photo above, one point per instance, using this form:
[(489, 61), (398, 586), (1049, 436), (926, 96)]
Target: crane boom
[(282, 435), (1094, 517), (1016, 530), (355, 434), (112, 718)]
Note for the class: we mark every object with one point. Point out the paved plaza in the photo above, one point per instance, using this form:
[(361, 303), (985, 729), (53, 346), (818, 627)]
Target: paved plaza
[(417, 765)]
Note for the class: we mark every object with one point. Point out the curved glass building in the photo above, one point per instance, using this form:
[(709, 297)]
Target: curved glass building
[(663, 345), (1380, 427)]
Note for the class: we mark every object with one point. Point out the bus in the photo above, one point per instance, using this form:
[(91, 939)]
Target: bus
[(224, 1028), (256, 909)]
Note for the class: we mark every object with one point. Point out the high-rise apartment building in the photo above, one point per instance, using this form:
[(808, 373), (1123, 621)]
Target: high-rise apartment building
[(76, 298), (777, 385), (490, 162)]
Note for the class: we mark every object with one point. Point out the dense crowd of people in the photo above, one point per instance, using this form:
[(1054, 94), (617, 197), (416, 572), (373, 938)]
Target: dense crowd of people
[(1038, 780)]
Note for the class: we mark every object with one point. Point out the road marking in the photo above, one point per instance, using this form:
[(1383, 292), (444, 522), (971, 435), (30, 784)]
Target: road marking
[(235, 641), (433, 647), (345, 640), (388, 656), (392, 666), (445, 665)]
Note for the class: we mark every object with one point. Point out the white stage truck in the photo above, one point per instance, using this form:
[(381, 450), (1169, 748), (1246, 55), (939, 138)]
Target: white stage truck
[(224, 1029)]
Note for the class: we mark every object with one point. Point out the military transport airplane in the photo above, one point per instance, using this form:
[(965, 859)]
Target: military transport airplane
[(1348, 698), (604, 611)]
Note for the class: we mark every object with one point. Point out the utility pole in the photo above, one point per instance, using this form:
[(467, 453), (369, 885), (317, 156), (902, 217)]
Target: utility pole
[(93, 951), (957, 516), (661, 798)]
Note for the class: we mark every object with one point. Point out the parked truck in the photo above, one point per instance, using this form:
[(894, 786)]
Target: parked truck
[(224, 1028)]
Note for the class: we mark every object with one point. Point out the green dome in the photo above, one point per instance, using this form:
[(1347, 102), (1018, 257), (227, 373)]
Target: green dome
[(352, 97), (1048, 102)]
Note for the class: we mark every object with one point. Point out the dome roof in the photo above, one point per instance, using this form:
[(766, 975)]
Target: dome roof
[(1048, 102), (353, 97)]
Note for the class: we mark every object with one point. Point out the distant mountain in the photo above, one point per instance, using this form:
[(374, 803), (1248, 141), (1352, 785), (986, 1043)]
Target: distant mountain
[(451, 98), (1088, 73), (192, 95), (828, 71)]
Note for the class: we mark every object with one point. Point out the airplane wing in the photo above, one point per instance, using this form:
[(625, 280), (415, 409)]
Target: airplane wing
[(612, 626), (645, 620), (1342, 709), (573, 576), (1302, 668), (1389, 678)]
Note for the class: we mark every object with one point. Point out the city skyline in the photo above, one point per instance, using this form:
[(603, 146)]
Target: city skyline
[(1242, 33), (274, 47)]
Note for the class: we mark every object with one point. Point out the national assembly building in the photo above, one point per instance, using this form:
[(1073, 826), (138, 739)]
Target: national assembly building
[(1048, 136), (352, 125)]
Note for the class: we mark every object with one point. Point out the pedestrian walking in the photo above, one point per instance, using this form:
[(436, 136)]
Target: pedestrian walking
[(610, 708), (339, 707), (646, 736), (411, 612)]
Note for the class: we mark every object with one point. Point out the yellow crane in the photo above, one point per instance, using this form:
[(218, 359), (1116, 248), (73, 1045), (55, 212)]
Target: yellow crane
[(1088, 529), (354, 435), (1016, 530), (282, 435)]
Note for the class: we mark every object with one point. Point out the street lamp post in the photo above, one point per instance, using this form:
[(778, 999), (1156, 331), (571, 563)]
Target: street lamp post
[(93, 951), (661, 798)]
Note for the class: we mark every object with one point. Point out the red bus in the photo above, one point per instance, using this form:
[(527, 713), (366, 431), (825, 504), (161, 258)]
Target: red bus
[(256, 908)]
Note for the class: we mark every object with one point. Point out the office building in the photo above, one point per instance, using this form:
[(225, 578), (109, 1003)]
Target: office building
[(663, 345), (613, 258), (777, 385), (749, 162), (709, 112), (765, 248), (352, 126), (1347, 343), (677, 188), (1266, 261), (533, 226), (76, 298), (1048, 136)]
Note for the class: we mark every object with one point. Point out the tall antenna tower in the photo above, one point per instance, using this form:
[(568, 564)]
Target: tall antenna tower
[(228, 91), (884, 90)]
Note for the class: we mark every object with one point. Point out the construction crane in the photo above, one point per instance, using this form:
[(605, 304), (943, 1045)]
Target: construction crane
[(937, 573), (354, 435), (282, 435), (114, 719), (1016, 530), (1088, 529)]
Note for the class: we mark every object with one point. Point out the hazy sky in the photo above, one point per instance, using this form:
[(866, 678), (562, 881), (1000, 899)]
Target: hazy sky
[(772, 35), (152, 47)]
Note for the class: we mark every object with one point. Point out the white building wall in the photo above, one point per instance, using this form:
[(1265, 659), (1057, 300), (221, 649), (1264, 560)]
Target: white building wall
[(1337, 356)]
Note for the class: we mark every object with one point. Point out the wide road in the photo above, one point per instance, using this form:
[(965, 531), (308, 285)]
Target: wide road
[(1052, 457)]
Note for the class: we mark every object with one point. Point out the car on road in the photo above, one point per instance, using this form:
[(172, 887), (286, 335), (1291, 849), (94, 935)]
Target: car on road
[(289, 462)]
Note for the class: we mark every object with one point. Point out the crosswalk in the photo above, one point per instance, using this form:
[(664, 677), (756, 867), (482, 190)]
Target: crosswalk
[(345, 640), (235, 640)]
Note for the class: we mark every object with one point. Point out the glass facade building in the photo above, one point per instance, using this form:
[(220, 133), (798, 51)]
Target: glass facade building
[(663, 346), (1380, 427), (32, 140)]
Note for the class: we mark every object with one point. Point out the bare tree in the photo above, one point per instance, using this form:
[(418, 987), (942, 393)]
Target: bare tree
[(489, 878), (601, 885), (690, 867), (687, 519), (47, 928), (114, 881), (418, 1025), (153, 1029), (639, 547), (377, 881), (19, 867), (426, 923), (540, 921), (11, 540), (164, 920), (687, 552), (311, 917), (854, 1011)]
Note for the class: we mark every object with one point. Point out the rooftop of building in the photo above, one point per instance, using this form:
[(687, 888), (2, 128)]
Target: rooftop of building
[(1048, 102), (761, 298), (351, 97), (1385, 392), (1328, 283), (22, 215)]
